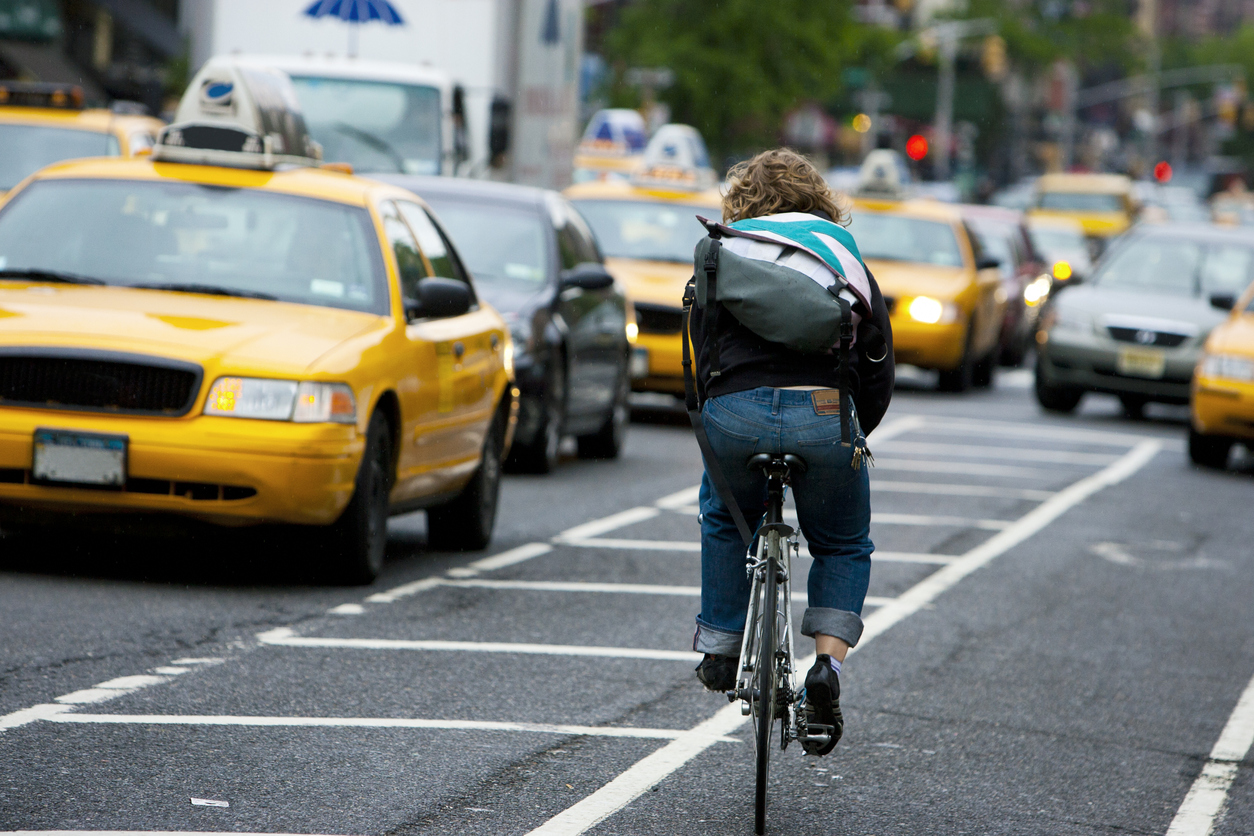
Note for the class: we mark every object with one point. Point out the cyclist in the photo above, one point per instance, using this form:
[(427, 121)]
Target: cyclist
[(769, 398)]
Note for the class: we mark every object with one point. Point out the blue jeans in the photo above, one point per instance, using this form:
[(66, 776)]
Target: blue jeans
[(833, 507)]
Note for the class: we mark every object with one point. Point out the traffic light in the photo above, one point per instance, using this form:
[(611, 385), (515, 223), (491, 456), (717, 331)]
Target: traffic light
[(1162, 172), (916, 147), (993, 57)]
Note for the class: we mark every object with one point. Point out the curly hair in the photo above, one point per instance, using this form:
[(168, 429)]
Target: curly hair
[(777, 181)]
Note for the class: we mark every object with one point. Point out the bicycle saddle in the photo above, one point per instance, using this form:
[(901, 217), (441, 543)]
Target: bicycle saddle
[(774, 465)]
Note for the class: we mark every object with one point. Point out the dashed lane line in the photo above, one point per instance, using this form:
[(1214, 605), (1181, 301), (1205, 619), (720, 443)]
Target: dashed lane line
[(1208, 796), (286, 637), (1009, 454), (949, 489), (692, 546), (631, 784), (375, 723), (614, 521), (1079, 435), (1008, 471)]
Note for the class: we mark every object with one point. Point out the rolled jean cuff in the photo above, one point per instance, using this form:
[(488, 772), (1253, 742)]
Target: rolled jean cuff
[(718, 642), (842, 624)]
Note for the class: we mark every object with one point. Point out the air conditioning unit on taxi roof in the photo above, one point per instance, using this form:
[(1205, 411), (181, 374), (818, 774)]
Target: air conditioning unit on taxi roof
[(238, 116)]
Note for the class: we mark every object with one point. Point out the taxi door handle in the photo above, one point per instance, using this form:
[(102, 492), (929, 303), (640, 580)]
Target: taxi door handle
[(458, 350)]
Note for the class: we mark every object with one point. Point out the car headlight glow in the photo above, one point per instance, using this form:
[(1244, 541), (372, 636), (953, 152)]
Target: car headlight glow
[(633, 331), (1062, 270), (281, 400), (1036, 292), (930, 311), (1228, 367)]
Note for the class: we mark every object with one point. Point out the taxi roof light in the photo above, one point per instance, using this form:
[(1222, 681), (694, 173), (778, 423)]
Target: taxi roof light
[(41, 94), (238, 116), (676, 158)]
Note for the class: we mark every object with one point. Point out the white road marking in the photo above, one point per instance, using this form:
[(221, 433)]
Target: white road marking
[(167, 670), (938, 520), (947, 489), (1208, 796), (285, 637), (403, 591), (974, 426), (606, 524), (1024, 454), (613, 588), (693, 546), (201, 660), (962, 468), (1016, 379), (680, 498), (645, 773), (375, 723), (130, 833), (511, 557), (898, 426), (347, 609), (30, 715)]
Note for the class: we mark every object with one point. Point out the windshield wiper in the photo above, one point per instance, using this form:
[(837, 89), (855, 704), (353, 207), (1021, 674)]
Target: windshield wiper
[(49, 276), (207, 289), (371, 141)]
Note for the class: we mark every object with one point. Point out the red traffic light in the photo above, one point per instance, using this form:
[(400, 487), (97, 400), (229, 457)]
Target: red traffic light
[(916, 147), (1162, 172)]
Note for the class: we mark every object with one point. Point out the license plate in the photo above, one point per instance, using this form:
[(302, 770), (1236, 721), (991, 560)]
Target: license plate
[(639, 363), (1141, 362), (66, 457)]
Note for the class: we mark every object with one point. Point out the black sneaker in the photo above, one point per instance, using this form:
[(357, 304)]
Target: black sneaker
[(822, 696), (718, 673)]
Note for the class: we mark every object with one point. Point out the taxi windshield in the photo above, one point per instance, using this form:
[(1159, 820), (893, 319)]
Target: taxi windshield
[(500, 244), (645, 230), (898, 238), (28, 148), (1081, 202), (374, 125), (171, 236)]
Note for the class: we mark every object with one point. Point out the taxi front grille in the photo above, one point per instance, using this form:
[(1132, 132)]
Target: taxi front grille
[(659, 319), (95, 381)]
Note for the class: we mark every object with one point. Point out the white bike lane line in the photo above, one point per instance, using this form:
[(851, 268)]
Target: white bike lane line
[(1207, 798), (647, 772)]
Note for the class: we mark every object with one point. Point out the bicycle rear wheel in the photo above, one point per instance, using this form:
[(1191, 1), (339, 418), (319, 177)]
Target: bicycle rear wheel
[(764, 702)]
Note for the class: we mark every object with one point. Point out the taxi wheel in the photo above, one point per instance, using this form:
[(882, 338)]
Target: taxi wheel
[(983, 372), (961, 378), (466, 523), (358, 540), (1209, 450), (1133, 406), (607, 442)]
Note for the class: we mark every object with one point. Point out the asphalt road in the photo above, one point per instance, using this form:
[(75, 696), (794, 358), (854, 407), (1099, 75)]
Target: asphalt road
[(1059, 631)]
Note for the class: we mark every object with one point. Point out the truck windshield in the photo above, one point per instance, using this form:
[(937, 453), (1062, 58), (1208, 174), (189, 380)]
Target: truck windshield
[(374, 125), (194, 238), (28, 148)]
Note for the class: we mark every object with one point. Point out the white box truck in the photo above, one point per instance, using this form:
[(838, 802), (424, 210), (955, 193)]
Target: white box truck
[(478, 88)]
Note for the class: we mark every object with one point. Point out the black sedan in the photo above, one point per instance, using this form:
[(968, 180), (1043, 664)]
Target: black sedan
[(535, 260)]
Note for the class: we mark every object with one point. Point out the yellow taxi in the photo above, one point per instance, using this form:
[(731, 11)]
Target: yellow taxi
[(1222, 398), (1102, 203), (944, 295), (647, 229), (42, 124), (229, 333)]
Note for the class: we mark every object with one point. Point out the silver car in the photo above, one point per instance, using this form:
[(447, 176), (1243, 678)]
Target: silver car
[(1136, 327)]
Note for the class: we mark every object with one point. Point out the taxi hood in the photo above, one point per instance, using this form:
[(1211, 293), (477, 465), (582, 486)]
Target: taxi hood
[(908, 278), (652, 282), (243, 334)]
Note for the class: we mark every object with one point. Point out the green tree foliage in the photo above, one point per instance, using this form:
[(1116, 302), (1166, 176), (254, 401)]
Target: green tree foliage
[(1103, 34), (741, 65)]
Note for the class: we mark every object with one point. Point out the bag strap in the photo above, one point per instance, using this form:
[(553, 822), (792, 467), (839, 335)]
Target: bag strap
[(846, 340), (693, 407), (710, 266)]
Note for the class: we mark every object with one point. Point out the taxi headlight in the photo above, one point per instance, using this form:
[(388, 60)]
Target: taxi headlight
[(930, 311), (633, 331), (1228, 367), (318, 403), (281, 400)]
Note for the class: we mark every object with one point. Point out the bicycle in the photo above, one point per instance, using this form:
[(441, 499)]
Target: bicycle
[(766, 681)]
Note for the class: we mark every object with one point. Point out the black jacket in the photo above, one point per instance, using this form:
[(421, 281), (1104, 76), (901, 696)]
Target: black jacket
[(747, 361)]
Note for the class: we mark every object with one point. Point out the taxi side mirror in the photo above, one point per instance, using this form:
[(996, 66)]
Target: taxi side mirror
[(1223, 301), (986, 262), (438, 298), (587, 276)]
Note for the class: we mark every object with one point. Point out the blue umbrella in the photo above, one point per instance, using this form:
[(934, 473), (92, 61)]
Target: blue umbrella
[(355, 13)]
